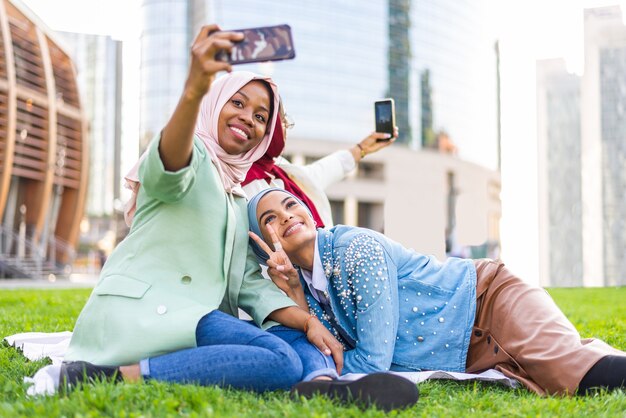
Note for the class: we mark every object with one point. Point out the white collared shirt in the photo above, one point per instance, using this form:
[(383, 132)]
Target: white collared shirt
[(316, 280)]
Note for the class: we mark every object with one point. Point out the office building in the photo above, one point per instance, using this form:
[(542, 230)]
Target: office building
[(98, 61), (603, 147), (559, 177), (582, 159), (450, 48), (166, 36), (44, 154), (399, 65), (99, 74)]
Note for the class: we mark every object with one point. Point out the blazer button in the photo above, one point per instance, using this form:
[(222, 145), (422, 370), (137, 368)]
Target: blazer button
[(161, 309), (185, 279), (478, 333)]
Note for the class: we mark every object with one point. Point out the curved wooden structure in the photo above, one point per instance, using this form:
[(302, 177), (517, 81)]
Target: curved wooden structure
[(43, 141)]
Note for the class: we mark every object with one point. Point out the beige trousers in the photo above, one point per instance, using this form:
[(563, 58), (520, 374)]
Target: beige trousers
[(521, 332)]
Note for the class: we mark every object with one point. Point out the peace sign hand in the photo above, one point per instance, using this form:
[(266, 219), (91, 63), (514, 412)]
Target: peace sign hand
[(280, 269)]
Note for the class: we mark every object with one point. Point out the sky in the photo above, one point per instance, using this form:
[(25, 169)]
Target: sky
[(527, 30)]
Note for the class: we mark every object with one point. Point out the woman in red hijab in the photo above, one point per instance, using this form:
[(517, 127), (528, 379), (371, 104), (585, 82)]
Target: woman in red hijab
[(308, 182)]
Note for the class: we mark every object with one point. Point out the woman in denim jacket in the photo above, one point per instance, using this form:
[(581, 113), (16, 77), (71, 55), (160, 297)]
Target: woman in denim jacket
[(395, 309)]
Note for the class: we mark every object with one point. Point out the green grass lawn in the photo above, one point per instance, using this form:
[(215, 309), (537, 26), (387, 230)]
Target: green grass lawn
[(595, 312)]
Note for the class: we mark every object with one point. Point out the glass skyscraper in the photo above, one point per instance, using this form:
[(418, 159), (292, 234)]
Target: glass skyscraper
[(340, 67), (560, 199), (99, 73), (166, 36), (613, 93), (603, 105), (582, 159), (448, 42)]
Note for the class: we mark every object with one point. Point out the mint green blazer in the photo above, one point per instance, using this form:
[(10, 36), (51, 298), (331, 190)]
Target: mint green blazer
[(186, 255)]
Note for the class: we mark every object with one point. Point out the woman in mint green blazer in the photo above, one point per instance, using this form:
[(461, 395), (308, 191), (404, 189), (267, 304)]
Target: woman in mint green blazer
[(165, 303)]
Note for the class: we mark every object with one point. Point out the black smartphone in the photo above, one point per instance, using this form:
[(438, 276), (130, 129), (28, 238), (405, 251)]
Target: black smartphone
[(268, 43), (385, 117)]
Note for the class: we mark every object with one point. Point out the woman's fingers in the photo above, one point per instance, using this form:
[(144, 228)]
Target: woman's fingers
[(380, 135), (288, 274), (320, 337), (331, 347), (376, 141), (275, 241), (232, 36), (274, 271), (274, 264), (284, 258), (279, 279), (260, 243), (206, 51), (208, 43), (205, 31), (278, 259), (336, 350), (317, 340), (204, 64), (216, 42)]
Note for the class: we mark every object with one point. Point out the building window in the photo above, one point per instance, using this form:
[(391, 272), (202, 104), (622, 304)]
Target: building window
[(451, 246), (371, 215), (310, 160), (336, 209), (371, 171)]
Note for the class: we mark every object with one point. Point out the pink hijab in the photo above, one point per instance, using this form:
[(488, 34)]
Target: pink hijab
[(232, 168)]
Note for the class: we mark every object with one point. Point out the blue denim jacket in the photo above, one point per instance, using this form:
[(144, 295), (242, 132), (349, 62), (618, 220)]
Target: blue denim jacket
[(401, 310)]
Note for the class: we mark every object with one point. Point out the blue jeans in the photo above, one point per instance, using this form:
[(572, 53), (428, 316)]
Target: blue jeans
[(234, 353), (230, 352), (314, 362)]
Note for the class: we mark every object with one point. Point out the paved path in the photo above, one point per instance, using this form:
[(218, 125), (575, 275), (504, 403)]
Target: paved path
[(75, 281)]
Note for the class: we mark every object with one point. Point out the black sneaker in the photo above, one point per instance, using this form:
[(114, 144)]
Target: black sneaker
[(386, 391), (80, 371)]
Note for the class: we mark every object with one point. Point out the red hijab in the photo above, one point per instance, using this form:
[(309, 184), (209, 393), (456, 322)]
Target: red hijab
[(265, 169)]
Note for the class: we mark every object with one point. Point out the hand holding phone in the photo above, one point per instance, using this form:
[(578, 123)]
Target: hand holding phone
[(385, 117), (269, 43)]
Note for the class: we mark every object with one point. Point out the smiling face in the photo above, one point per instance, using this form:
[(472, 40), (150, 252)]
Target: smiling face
[(244, 118), (291, 221)]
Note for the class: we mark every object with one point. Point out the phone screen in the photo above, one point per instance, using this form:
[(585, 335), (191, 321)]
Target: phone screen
[(385, 118), (269, 43)]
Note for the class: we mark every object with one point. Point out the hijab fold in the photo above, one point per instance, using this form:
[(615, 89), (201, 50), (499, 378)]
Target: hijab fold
[(231, 168)]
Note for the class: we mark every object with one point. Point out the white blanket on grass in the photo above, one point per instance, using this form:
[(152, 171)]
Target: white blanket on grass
[(39, 345)]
